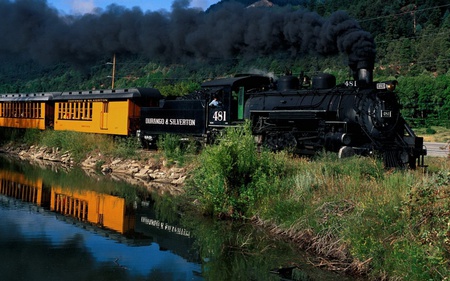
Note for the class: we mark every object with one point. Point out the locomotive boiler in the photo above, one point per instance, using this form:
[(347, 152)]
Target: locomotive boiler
[(357, 117)]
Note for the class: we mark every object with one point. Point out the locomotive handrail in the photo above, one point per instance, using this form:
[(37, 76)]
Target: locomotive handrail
[(290, 110)]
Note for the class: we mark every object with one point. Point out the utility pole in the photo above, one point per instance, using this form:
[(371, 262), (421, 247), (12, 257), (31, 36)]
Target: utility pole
[(411, 9), (113, 71)]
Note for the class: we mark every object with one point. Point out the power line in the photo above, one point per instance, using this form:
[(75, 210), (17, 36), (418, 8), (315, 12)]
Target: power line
[(415, 37), (416, 62), (407, 12)]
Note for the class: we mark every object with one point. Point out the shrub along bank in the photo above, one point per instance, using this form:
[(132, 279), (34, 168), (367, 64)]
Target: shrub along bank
[(357, 216)]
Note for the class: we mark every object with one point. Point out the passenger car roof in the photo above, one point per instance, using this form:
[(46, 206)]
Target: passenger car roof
[(37, 97), (110, 94)]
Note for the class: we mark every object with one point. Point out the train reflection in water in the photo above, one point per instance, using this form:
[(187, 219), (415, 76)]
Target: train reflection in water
[(17, 186), (100, 209), (102, 213)]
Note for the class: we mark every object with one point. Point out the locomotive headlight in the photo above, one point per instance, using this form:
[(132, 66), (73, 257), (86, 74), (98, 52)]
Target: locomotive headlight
[(390, 86)]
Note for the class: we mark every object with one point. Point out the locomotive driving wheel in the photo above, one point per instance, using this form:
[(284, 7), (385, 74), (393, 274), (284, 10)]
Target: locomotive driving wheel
[(277, 141)]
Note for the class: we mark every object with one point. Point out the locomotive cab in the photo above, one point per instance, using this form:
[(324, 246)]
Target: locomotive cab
[(219, 108), (200, 115), (231, 94)]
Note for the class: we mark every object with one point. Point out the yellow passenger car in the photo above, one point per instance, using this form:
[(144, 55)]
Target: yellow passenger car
[(114, 112), (32, 110)]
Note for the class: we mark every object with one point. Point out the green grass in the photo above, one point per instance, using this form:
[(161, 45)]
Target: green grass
[(79, 145), (396, 220), (385, 223), (434, 133), (177, 151)]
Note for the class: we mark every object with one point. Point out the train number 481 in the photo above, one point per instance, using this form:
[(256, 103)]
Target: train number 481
[(220, 116)]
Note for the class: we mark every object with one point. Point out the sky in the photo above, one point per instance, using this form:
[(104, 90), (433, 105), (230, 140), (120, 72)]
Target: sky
[(87, 6)]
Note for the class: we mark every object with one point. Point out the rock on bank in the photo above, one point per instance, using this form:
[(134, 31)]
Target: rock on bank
[(152, 173)]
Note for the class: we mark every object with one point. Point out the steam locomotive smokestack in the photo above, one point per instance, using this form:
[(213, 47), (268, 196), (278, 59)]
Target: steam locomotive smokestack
[(363, 71)]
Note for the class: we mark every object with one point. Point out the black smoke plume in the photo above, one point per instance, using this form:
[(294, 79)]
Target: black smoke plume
[(34, 29)]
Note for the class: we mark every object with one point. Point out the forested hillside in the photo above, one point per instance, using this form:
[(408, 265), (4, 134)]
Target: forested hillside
[(177, 50)]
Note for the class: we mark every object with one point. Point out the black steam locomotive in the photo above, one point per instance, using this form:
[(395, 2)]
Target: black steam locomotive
[(306, 116)]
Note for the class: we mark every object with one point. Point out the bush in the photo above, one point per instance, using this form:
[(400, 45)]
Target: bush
[(11, 135), (32, 136), (233, 179), (126, 147), (81, 144), (430, 131), (78, 144), (176, 150)]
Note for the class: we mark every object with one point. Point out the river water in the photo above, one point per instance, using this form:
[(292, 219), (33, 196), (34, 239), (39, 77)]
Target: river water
[(64, 225)]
